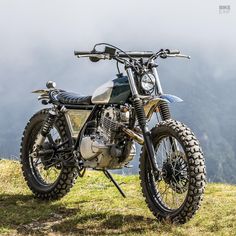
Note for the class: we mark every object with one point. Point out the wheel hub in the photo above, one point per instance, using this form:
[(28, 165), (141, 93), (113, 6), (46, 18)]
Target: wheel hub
[(174, 172), (49, 156)]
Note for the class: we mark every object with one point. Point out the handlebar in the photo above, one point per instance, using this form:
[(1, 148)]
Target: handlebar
[(119, 54), (95, 56), (135, 54)]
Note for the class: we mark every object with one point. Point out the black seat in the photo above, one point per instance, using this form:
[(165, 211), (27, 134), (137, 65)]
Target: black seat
[(73, 99)]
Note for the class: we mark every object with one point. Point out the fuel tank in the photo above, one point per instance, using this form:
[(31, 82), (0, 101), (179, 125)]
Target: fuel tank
[(116, 91)]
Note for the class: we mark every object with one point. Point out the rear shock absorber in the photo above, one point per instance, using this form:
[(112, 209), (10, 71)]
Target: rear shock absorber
[(164, 111), (48, 123), (47, 126)]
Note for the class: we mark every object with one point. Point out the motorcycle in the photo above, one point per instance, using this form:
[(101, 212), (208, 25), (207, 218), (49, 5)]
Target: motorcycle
[(100, 131)]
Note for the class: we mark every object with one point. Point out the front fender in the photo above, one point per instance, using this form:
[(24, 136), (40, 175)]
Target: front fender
[(152, 104), (171, 98)]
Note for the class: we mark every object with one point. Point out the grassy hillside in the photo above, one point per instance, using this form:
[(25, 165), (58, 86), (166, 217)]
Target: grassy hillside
[(94, 207)]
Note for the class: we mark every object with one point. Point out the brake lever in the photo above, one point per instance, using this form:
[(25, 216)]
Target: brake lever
[(99, 56), (178, 55)]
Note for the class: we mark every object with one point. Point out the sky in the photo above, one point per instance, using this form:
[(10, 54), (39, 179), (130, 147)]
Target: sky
[(38, 39)]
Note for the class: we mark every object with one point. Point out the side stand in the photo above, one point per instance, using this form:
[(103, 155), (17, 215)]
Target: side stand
[(109, 176)]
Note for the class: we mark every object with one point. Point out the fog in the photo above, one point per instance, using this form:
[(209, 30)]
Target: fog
[(38, 39)]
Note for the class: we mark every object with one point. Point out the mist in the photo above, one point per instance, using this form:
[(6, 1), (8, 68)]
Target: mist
[(38, 39)]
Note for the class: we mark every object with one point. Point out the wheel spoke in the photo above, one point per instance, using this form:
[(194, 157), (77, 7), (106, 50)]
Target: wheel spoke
[(174, 184), (44, 164)]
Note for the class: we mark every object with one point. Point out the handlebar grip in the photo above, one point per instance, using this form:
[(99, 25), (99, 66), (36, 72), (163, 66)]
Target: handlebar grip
[(175, 51), (78, 53)]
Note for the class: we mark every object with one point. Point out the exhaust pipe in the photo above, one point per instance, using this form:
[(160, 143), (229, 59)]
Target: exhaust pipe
[(133, 135)]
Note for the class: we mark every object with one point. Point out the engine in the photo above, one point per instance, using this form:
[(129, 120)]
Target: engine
[(104, 145)]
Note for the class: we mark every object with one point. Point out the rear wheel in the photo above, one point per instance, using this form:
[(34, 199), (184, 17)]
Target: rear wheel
[(43, 170), (175, 194)]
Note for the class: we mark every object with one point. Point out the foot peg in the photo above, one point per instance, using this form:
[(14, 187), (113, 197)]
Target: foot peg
[(128, 166)]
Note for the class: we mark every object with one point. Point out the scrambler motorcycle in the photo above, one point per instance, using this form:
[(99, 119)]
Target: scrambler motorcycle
[(100, 131)]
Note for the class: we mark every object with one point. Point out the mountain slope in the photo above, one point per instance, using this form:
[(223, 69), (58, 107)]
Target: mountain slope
[(94, 207), (207, 87)]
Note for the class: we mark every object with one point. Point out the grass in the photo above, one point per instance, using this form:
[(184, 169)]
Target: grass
[(94, 207)]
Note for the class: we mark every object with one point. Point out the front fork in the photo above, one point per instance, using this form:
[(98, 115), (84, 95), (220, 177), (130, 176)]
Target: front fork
[(163, 107), (138, 106)]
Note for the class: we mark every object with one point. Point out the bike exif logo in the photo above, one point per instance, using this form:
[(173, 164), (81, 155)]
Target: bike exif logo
[(224, 9)]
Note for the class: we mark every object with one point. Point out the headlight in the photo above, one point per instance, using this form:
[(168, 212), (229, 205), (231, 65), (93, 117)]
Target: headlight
[(148, 82)]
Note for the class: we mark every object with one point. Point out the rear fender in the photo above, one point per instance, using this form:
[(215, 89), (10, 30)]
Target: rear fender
[(43, 95)]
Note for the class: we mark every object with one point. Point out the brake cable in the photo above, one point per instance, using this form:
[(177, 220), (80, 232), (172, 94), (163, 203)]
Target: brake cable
[(119, 49), (110, 45), (131, 58)]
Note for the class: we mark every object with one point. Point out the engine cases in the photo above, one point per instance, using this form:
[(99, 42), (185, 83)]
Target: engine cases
[(106, 146), (91, 147), (98, 155)]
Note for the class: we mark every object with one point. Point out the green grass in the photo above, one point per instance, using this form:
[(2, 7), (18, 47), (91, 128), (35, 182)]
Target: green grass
[(94, 207)]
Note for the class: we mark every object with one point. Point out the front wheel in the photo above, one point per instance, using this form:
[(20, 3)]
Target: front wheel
[(175, 194)]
